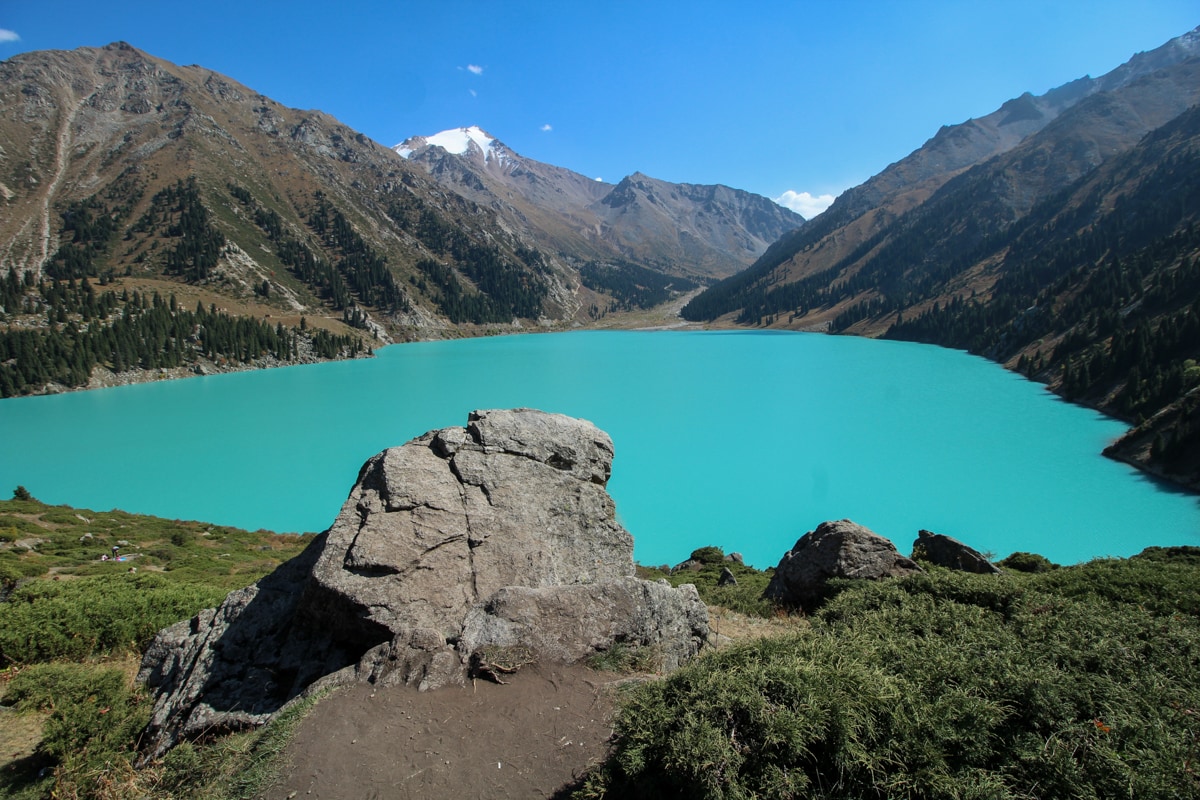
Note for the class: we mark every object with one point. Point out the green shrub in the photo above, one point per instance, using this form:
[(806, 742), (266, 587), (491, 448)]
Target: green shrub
[(937, 686), (95, 719), (745, 597), (708, 555), (13, 569), (237, 767), (1027, 562), (624, 657), (1160, 584), (78, 619)]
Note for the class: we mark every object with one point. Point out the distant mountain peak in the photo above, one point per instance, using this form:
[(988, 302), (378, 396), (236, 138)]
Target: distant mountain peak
[(682, 228), (459, 142)]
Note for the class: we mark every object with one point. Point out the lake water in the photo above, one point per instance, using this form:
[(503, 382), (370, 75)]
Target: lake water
[(738, 439)]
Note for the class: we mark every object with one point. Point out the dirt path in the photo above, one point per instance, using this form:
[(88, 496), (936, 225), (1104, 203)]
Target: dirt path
[(525, 739)]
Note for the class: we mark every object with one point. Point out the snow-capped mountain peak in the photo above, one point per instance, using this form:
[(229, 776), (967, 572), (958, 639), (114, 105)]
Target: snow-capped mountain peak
[(457, 141)]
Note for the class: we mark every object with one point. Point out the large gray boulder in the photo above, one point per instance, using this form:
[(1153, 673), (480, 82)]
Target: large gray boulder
[(497, 535), (945, 551), (839, 549)]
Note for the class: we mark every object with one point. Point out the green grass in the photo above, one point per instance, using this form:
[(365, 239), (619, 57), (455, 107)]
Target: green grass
[(95, 718), (66, 614), (237, 767), (75, 540), (1072, 682)]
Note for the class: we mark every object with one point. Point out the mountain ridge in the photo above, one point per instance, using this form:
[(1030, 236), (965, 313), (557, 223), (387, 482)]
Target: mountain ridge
[(151, 183), (931, 255), (685, 229)]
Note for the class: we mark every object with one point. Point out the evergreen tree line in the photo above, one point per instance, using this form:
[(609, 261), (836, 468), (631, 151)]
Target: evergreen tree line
[(314, 270), (14, 294), (632, 286), (454, 301), (360, 273), (511, 289), (200, 244), (134, 331), (365, 271), (1128, 318), (91, 226), (88, 228)]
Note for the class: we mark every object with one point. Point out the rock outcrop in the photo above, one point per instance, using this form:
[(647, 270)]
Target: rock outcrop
[(841, 549), (945, 551), (497, 536)]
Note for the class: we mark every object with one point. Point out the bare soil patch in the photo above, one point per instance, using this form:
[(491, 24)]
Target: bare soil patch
[(527, 738)]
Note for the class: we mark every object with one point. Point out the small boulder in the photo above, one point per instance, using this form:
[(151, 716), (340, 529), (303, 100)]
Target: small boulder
[(727, 578), (944, 551), (839, 549)]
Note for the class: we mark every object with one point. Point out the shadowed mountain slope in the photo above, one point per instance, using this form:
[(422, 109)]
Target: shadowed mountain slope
[(1055, 235)]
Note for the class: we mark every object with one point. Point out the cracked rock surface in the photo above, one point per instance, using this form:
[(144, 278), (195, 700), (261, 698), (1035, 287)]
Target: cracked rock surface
[(499, 534)]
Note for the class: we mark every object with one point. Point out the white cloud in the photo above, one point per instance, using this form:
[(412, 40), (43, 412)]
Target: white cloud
[(474, 69), (599, 180), (547, 127), (473, 93), (9, 36), (803, 203)]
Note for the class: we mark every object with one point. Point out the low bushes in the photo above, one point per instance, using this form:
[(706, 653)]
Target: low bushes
[(709, 562), (65, 614), (87, 617), (95, 718), (938, 686)]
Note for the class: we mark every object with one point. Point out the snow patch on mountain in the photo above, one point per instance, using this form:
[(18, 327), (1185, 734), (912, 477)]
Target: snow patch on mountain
[(457, 141)]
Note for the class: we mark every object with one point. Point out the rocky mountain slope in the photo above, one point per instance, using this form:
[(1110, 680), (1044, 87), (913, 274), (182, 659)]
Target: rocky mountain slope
[(677, 228), (134, 189), (326, 217), (1047, 235)]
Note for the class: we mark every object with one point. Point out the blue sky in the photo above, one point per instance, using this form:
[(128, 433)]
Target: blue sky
[(804, 96)]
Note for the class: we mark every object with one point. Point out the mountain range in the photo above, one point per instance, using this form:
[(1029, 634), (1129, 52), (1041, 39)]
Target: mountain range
[(680, 228), (120, 166), (1057, 235)]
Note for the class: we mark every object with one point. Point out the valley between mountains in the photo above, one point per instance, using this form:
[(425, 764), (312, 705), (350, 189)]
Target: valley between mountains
[(159, 221), (163, 221)]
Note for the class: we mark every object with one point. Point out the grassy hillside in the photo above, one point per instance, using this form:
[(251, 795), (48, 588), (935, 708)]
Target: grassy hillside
[(1041, 682), (75, 616)]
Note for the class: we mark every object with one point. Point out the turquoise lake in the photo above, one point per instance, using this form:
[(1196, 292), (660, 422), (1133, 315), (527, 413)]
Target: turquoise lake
[(739, 439)]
